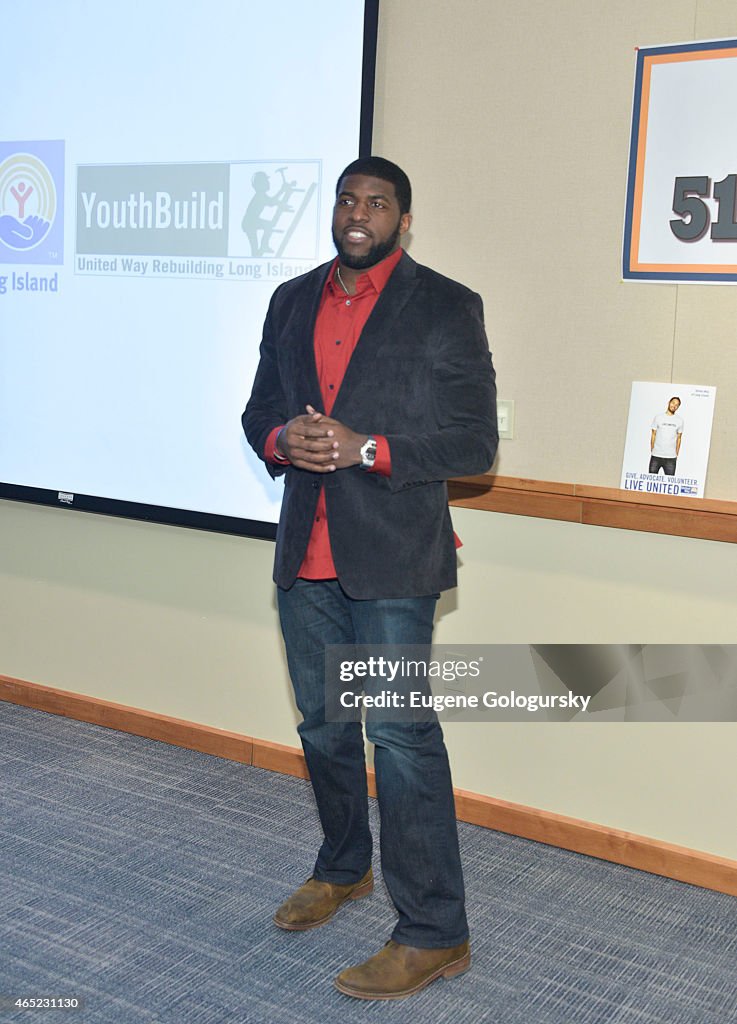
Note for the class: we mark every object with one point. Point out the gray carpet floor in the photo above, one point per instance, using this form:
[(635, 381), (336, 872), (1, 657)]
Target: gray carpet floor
[(142, 878)]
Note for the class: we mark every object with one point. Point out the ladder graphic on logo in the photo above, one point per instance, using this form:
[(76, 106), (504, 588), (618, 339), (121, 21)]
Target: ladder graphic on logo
[(260, 228)]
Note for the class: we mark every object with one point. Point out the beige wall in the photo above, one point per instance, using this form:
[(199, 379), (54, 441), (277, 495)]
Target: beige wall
[(513, 121)]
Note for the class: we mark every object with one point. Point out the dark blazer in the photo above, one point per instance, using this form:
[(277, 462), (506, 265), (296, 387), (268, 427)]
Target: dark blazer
[(421, 374)]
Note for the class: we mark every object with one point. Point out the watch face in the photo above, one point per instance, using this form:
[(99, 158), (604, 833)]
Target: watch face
[(368, 453)]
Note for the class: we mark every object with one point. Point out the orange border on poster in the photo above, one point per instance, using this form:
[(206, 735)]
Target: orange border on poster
[(668, 268)]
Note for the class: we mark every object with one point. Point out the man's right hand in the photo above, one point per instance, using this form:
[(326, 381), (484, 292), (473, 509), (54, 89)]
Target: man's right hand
[(309, 444)]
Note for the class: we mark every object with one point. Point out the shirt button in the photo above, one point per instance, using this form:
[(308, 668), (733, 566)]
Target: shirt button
[(331, 386), (337, 343), (317, 519), (347, 302)]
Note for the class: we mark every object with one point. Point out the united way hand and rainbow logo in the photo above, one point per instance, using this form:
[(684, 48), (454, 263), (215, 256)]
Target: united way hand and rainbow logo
[(31, 202)]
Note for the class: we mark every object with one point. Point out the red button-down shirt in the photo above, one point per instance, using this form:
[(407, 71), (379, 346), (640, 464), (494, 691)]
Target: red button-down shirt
[(340, 320)]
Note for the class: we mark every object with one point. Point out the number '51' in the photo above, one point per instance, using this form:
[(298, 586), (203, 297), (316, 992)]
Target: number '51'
[(688, 202)]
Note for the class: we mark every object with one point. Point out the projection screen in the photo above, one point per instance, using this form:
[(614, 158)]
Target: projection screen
[(163, 167)]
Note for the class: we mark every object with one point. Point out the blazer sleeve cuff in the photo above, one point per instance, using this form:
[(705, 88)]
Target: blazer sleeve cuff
[(270, 452)]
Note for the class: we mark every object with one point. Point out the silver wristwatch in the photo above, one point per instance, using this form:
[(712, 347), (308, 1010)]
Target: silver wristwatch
[(368, 453)]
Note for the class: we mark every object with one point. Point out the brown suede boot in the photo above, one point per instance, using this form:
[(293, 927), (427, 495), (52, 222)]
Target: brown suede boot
[(315, 902), (398, 971)]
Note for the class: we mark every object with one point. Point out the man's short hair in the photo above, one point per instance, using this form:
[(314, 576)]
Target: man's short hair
[(378, 167), (675, 398)]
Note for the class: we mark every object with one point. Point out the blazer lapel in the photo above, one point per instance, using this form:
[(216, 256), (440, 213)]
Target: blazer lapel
[(302, 321), (395, 295)]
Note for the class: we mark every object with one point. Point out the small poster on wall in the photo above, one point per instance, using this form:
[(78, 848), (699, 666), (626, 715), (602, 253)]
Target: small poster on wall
[(668, 436)]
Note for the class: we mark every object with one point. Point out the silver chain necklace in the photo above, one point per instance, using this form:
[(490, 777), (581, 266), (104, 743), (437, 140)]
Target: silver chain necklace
[(340, 280)]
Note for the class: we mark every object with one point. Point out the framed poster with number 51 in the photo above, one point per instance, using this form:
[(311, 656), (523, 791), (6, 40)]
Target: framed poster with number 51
[(681, 214)]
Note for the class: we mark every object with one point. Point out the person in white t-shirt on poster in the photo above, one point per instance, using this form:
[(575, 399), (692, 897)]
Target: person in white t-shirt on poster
[(665, 439)]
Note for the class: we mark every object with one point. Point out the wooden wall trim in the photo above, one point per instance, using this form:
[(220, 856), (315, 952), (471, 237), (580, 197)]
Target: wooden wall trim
[(705, 518), (641, 852), (619, 847), (177, 731)]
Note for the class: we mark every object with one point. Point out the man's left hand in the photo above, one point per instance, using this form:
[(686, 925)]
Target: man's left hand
[(349, 443)]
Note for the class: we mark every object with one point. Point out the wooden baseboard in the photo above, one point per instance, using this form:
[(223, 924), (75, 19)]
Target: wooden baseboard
[(653, 855)]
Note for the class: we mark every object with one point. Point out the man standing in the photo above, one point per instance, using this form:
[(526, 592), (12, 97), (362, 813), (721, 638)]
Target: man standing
[(375, 385), (665, 439)]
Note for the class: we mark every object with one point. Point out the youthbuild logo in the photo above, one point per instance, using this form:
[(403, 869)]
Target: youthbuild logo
[(248, 220), (159, 212), (31, 215), (153, 209)]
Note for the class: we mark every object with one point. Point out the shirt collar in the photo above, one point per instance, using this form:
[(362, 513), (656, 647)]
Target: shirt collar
[(377, 276)]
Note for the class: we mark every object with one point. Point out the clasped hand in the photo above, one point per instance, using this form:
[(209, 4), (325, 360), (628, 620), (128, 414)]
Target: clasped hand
[(320, 444)]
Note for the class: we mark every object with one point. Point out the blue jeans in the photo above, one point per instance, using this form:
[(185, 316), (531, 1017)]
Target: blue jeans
[(419, 840)]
